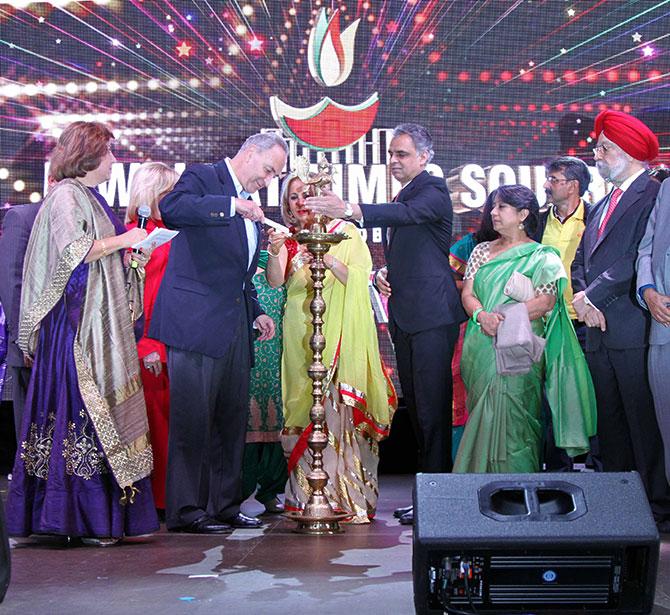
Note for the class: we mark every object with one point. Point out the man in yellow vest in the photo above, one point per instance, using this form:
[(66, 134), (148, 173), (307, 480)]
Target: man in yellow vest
[(562, 225)]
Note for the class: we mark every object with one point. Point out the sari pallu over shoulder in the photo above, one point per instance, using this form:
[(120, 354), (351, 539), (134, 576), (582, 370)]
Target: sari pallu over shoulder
[(567, 380), (105, 353)]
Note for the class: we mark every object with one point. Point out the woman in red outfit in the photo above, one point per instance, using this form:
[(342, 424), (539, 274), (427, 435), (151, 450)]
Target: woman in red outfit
[(151, 182)]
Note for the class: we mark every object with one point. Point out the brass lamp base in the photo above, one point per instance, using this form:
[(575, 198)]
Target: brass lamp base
[(317, 525)]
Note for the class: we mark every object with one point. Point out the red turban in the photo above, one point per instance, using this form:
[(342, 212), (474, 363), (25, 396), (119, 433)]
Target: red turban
[(630, 134)]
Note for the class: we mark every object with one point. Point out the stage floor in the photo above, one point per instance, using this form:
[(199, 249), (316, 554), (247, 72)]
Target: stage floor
[(366, 570)]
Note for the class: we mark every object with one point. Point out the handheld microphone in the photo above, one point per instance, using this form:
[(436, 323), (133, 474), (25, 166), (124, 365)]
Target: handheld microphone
[(143, 215)]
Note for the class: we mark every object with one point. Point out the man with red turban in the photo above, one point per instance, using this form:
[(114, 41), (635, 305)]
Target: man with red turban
[(603, 278)]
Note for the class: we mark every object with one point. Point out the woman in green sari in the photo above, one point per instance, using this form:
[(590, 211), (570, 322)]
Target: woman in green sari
[(504, 428), (359, 397)]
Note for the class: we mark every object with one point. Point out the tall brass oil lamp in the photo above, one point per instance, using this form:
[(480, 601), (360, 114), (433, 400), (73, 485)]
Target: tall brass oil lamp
[(318, 517)]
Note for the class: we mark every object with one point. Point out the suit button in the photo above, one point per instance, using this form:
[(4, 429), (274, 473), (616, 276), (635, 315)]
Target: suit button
[(237, 299), (222, 215)]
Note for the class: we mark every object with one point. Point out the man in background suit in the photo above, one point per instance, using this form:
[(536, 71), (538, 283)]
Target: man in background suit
[(653, 292), (204, 312), (16, 227), (603, 278), (425, 308)]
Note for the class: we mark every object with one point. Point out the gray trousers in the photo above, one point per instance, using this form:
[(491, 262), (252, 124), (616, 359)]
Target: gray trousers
[(209, 407), (659, 381)]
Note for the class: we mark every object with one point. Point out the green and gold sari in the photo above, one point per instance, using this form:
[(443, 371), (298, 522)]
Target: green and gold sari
[(504, 429)]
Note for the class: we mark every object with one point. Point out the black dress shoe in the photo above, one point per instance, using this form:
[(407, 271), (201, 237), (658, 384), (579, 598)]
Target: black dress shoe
[(274, 507), (241, 521), (399, 512), (407, 518), (204, 525)]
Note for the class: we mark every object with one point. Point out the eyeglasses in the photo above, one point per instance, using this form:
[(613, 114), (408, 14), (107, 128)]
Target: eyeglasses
[(557, 180), (601, 149)]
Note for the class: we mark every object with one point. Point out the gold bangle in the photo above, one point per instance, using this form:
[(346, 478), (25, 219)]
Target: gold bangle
[(104, 247)]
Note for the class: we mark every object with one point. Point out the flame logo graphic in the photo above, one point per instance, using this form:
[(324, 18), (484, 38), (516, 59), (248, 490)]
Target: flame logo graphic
[(331, 53)]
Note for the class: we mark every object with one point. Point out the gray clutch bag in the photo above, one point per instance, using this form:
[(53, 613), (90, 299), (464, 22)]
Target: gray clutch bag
[(519, 287)]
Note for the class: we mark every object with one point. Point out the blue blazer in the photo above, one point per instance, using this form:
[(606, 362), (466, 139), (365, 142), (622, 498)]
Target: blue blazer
[(206, 289), (16, 227), (420, 220), (605, 267)]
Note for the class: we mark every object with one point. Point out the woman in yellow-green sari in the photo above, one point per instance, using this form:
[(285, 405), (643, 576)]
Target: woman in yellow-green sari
[(358, 396), (504, 428)]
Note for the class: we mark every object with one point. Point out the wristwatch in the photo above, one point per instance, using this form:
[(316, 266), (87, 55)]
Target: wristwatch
[(348, 211)]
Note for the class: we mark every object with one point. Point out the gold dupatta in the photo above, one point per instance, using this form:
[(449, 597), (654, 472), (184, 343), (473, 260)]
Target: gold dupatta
[(105, 352)]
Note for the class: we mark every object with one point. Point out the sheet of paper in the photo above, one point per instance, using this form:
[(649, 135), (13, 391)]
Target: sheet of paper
[(158, 236), (276, 226)]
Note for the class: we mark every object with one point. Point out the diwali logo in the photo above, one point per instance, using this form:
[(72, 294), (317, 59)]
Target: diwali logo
[(328, 125)]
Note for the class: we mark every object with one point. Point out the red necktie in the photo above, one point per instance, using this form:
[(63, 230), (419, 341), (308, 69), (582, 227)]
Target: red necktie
[(611, 206)]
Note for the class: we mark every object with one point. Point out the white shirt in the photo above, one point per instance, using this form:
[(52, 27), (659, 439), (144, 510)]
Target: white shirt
[(623, 187), (249, 226)]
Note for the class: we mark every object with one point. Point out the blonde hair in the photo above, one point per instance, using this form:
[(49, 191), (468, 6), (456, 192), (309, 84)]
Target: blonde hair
[(151, 182), (285, 210)]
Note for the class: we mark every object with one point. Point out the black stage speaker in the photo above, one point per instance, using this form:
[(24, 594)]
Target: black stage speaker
[(533, 543)]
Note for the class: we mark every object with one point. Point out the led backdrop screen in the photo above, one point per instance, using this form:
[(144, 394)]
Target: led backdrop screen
[(502, 85)]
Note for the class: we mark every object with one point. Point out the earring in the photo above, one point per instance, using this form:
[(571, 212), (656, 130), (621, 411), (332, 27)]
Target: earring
[(521, 226)]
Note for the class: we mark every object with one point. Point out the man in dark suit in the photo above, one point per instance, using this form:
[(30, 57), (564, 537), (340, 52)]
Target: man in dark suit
[(204, 312), (425, 307), (603, 278), (16, 227)]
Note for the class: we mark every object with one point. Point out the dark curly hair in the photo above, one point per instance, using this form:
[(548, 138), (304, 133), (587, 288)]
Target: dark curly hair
[(520, 198)]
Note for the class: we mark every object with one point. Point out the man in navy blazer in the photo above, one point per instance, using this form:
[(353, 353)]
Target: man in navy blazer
[(16, 227), (204, 312), (425, 308), (617, 338)]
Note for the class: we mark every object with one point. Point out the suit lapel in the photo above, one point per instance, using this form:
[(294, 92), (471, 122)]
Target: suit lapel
[(403, 194), (628, 199), (228, 186)]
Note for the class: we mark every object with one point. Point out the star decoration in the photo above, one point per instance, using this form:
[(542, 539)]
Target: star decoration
[(637, 37), (184, 50), (209, 61), (602, 92), (41, 20), (564, 50), (57, 41), (256, 45), (571, 12), (648, 51)]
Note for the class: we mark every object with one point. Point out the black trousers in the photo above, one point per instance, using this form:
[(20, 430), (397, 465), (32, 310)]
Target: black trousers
[(424, 370), (20, 381), (628, 433), (209, 406)]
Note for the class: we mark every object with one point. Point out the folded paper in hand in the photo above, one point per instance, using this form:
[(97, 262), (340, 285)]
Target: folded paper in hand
[(519, 287), (158, 236), (280, 228)]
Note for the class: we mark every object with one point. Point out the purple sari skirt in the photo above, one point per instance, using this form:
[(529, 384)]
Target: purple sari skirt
[(61, 482)]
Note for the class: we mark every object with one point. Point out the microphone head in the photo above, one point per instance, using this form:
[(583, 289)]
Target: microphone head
[(144, 211)]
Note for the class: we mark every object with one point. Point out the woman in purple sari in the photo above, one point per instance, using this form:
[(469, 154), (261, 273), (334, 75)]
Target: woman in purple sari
[(84, 458)]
